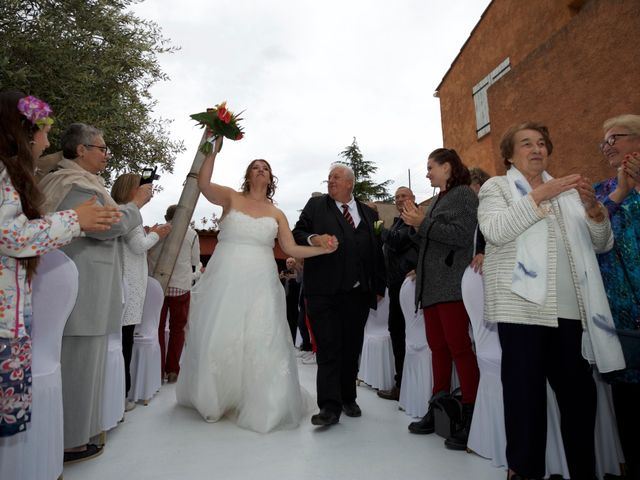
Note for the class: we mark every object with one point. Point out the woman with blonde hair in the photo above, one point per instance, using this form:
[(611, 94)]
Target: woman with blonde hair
[(135, 270), (620, 267)]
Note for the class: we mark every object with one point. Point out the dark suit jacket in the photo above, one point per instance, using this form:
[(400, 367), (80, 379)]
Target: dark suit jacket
[(323, 274)]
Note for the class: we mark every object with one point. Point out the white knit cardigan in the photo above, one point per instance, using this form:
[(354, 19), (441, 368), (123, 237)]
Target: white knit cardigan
[(501, 222)]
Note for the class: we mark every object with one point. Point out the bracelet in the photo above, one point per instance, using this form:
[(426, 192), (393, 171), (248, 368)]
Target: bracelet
[(600, 214)]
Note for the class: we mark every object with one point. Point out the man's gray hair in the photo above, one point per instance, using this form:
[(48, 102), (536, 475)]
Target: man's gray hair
[(346, 168), (77, 134)]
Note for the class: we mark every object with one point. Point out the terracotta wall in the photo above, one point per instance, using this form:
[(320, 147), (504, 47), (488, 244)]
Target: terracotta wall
[(508, 28), (573, 64), (589, 71)]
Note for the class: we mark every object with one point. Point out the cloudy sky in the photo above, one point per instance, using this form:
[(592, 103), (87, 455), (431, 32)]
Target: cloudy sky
[(310, 76)]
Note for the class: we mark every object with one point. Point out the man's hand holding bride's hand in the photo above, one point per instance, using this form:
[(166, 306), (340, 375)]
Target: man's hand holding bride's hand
[(332, 244), (329, 243)]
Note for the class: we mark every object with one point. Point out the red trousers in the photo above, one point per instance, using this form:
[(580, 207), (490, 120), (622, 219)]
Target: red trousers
[(178, 308), (447, 326)]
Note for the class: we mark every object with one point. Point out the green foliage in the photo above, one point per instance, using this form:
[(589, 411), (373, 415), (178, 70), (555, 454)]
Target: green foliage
[(364, 189), (94, 63)]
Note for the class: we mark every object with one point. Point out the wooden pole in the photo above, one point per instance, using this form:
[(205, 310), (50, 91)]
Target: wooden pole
[(187, 204)]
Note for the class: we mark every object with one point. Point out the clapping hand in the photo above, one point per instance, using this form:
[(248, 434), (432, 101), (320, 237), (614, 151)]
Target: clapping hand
[(628, 177), (631, 166), (93, 217), (161, 230), (411, 215), (587, 194), (555, 187)]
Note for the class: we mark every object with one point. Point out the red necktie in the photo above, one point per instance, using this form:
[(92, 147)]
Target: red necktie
[(347, 215)]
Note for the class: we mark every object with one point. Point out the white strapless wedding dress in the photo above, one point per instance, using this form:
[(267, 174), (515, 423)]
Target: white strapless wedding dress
[(238, 359)]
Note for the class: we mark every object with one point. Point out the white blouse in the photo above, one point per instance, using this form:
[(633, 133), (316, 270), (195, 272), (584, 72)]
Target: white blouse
[(135, 272)]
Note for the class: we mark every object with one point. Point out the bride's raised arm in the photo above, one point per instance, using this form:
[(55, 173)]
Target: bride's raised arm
[(217, 194), (291, 248)]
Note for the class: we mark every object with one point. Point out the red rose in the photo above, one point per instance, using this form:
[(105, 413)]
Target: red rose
[(222, 111)]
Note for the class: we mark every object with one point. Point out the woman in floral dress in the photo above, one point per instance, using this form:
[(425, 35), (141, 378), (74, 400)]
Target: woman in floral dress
[(25, 234)]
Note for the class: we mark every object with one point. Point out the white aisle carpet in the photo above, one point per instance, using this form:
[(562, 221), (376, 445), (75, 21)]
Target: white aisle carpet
[(164, 441)]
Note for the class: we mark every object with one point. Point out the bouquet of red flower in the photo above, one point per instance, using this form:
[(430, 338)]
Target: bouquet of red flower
[(219, 122)]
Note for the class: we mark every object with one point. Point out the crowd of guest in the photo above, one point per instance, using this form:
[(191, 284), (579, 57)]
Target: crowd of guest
[(560, 258), (539, 242)]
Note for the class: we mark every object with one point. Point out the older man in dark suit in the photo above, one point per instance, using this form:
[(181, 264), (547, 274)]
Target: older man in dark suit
[(340, 288)]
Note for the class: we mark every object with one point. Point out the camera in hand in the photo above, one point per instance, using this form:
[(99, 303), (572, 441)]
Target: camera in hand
[(149, 175)]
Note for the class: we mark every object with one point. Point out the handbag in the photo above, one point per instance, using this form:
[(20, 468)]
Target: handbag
[(447, 411)]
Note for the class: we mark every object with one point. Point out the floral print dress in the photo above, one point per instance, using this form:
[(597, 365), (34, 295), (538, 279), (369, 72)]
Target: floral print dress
[(620, 266), (21, 238)]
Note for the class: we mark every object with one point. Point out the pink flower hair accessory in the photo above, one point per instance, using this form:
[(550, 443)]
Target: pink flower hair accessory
[(37, 111)]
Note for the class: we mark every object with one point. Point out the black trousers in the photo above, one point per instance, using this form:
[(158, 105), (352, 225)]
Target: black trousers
[(531, 355), (302, 324), (397, 330), (127, 349), (626, 401), (292, 316), (337, 323)]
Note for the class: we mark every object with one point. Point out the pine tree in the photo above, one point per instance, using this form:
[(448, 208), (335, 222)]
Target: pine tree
[(364, 189)]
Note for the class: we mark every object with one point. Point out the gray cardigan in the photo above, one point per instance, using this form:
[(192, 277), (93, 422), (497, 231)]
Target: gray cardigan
[(446, 246)]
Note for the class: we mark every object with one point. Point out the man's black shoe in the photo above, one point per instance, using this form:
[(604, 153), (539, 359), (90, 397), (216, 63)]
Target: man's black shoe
[(351, 409), (324, 418)]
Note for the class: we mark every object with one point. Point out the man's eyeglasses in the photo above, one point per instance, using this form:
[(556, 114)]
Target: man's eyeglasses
[(611, 139), (105, 150)]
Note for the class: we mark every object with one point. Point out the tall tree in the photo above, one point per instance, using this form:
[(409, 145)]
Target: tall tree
[(93, 62), (364, 189)]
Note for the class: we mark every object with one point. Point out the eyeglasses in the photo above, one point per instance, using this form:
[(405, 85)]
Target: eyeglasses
[(105, 149), (611, 139)]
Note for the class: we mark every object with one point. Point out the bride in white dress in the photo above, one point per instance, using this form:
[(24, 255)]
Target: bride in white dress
[(239, 360)]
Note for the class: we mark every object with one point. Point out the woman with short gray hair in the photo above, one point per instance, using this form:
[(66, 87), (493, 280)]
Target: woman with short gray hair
[(98, 309)]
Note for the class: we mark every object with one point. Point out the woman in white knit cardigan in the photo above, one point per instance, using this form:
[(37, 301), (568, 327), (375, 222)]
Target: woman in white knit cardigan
[(543, 288), (135, 270)]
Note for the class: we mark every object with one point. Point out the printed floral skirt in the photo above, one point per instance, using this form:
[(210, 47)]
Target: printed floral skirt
[(15, 385)]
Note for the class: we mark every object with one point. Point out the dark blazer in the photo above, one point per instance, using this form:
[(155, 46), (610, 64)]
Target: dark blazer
[(446, 247), (400, 246), (323, 274)]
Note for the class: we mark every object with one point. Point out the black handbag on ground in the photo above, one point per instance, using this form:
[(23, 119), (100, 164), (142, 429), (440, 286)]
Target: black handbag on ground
[(447, 411)]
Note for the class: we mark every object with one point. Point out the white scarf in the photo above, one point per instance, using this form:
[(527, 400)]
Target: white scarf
[(57, 185), (600, 344)]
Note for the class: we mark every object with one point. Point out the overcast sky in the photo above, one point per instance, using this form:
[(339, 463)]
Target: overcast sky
[(310, 76)]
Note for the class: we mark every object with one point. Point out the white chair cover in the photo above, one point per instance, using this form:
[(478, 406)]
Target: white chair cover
[(146, 378), (376, 361), (37, 453), (417, 378), (487, 436), (113, 395)]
